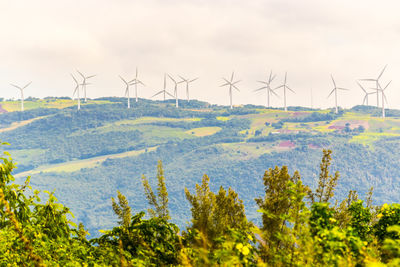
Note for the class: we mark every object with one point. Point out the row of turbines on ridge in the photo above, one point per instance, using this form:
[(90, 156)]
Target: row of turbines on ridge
[(379, 90)]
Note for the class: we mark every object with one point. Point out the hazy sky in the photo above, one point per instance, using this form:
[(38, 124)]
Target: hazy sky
[(44, 40)]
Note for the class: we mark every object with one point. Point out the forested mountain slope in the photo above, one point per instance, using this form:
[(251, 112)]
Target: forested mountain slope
[(87, 155)]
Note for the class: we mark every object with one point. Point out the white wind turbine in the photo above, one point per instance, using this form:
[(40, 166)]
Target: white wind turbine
[(231, 84), (284, 86), (377, 84), (135, 82), (22, 93), (127, 89), (335, 90), (175, 89), (187, 81), (76, 91), (267, 87), (365, 99), (84, 83), (164, 91)]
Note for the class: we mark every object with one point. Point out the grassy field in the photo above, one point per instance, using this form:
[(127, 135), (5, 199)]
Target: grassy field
[(204, 131), (11, 106), (77, 165)]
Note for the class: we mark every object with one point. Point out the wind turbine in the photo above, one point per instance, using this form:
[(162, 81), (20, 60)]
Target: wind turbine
[(22, 93), (135, 82), (377, 84), (231, 84), (84, 83), (175, 89), (76, 91), (335, 90), (267, 86), (365, 99), (187, 81), (284, 86), (383, 97), (164, 91), (127, 89)]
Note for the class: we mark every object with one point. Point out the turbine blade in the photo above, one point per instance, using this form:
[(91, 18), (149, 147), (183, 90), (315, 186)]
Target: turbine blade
[(280, 86), (333, 80), (368, 80), (235, 87), (16, 86), (226, 80), (91, 76), (123, 79), (362, 88), (233, 73), (343, 89), (387, 85), (225, 84), (263, 82), (80, 74), (331, 92), (157, 94), (73, 77), (382, 72), (195, 79), (183, 79), (272, 91), (236, 82), (170, 94), (259, 89), (27, 85), (171, 78), (290, 89)]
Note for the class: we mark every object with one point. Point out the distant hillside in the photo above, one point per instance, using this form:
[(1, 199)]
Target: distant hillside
[(87, 155)]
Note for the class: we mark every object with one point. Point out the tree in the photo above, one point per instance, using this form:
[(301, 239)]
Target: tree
[(159, 202), (214, 214), (327, 182), (282, 206), (122, 210)]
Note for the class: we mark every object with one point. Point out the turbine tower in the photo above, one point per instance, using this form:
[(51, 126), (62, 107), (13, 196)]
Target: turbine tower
[(383, 97), (84, 83), (187, 81), (135, 82), (377, 84), (76, 91), (365, 99), (175, 89), (231, 84), (127, 89), (284, 86), (267, 87), (22, 93), (164, 91), (335, 90)]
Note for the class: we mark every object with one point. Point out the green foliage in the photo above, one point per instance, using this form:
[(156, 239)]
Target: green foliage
[(122, 210), (327, 182), (160, 203), (293, 232), (214, 214)]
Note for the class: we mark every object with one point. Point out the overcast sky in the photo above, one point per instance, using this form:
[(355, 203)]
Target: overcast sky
[(44, 40)]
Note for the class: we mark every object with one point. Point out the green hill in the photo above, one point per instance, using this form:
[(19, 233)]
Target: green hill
[(87, 155)]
